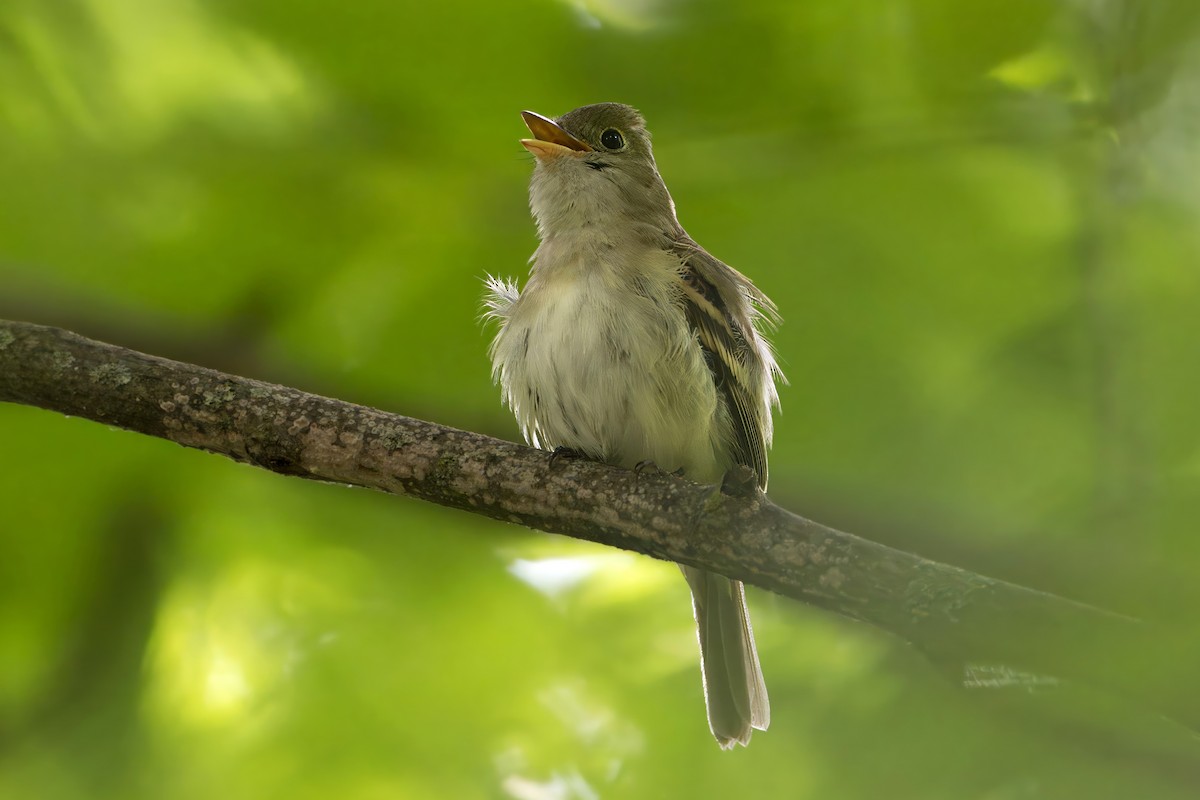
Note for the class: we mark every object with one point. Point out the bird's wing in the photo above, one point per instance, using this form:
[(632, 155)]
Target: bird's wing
[(718, 304)]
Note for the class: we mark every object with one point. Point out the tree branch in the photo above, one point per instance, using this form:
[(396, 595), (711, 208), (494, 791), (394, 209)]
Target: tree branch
[(954, 616)]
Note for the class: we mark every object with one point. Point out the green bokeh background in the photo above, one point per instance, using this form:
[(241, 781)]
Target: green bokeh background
[(977, 218)]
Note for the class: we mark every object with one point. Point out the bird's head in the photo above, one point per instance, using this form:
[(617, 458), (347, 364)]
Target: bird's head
[(595, 167)]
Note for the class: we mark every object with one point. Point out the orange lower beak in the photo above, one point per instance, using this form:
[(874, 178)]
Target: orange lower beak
[(551, 141)]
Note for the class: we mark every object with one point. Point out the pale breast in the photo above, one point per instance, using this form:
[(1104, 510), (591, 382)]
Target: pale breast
[(595, 359)]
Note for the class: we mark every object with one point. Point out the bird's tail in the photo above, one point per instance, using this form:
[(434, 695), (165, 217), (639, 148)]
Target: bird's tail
[(734, 691)]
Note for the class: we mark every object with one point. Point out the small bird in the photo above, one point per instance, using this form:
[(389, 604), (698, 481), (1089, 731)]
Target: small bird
[(631, 344)]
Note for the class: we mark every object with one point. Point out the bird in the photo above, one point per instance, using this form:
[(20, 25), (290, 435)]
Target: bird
[(631, 345)]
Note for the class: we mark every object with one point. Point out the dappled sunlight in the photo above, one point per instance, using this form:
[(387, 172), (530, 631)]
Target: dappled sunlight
[(979, 222), (589, 575), (225, 685), (571, 786), (1045, 68), (143, 69), (212, 659), (225, 649), (235, 80), (600, 739), (638, 16), (589, 720), (553, 576)]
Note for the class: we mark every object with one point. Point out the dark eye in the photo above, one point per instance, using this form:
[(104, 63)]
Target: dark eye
[(612, 139)]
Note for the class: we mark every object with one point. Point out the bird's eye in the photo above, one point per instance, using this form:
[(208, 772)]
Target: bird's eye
[(612, 139)]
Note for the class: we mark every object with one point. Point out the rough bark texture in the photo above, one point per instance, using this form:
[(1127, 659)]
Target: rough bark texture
[(954, 616)]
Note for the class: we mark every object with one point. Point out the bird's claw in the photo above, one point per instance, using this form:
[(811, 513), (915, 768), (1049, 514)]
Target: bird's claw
[(562, 453), (740, 481), (642, 466)]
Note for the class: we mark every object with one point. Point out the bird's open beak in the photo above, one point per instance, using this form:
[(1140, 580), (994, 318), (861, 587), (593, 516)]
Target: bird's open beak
[(550, 140)]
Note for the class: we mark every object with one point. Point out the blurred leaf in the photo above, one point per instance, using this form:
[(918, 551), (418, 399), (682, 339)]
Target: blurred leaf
[(979, 221)]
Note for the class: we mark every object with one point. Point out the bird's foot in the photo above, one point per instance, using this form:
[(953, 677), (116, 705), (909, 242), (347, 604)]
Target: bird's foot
[(741, 481), (643, 466), (562, 453), (647, 464)]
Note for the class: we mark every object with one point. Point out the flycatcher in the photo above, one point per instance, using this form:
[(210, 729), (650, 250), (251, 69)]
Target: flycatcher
[(631, 344)]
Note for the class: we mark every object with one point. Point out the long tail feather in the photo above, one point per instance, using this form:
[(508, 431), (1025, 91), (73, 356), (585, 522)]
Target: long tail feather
[(734, 691)]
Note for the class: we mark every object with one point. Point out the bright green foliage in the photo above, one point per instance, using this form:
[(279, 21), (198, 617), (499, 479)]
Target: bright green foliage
[(978, 220)]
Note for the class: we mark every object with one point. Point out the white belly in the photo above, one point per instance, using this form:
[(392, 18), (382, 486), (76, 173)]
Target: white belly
[(618, 376)]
